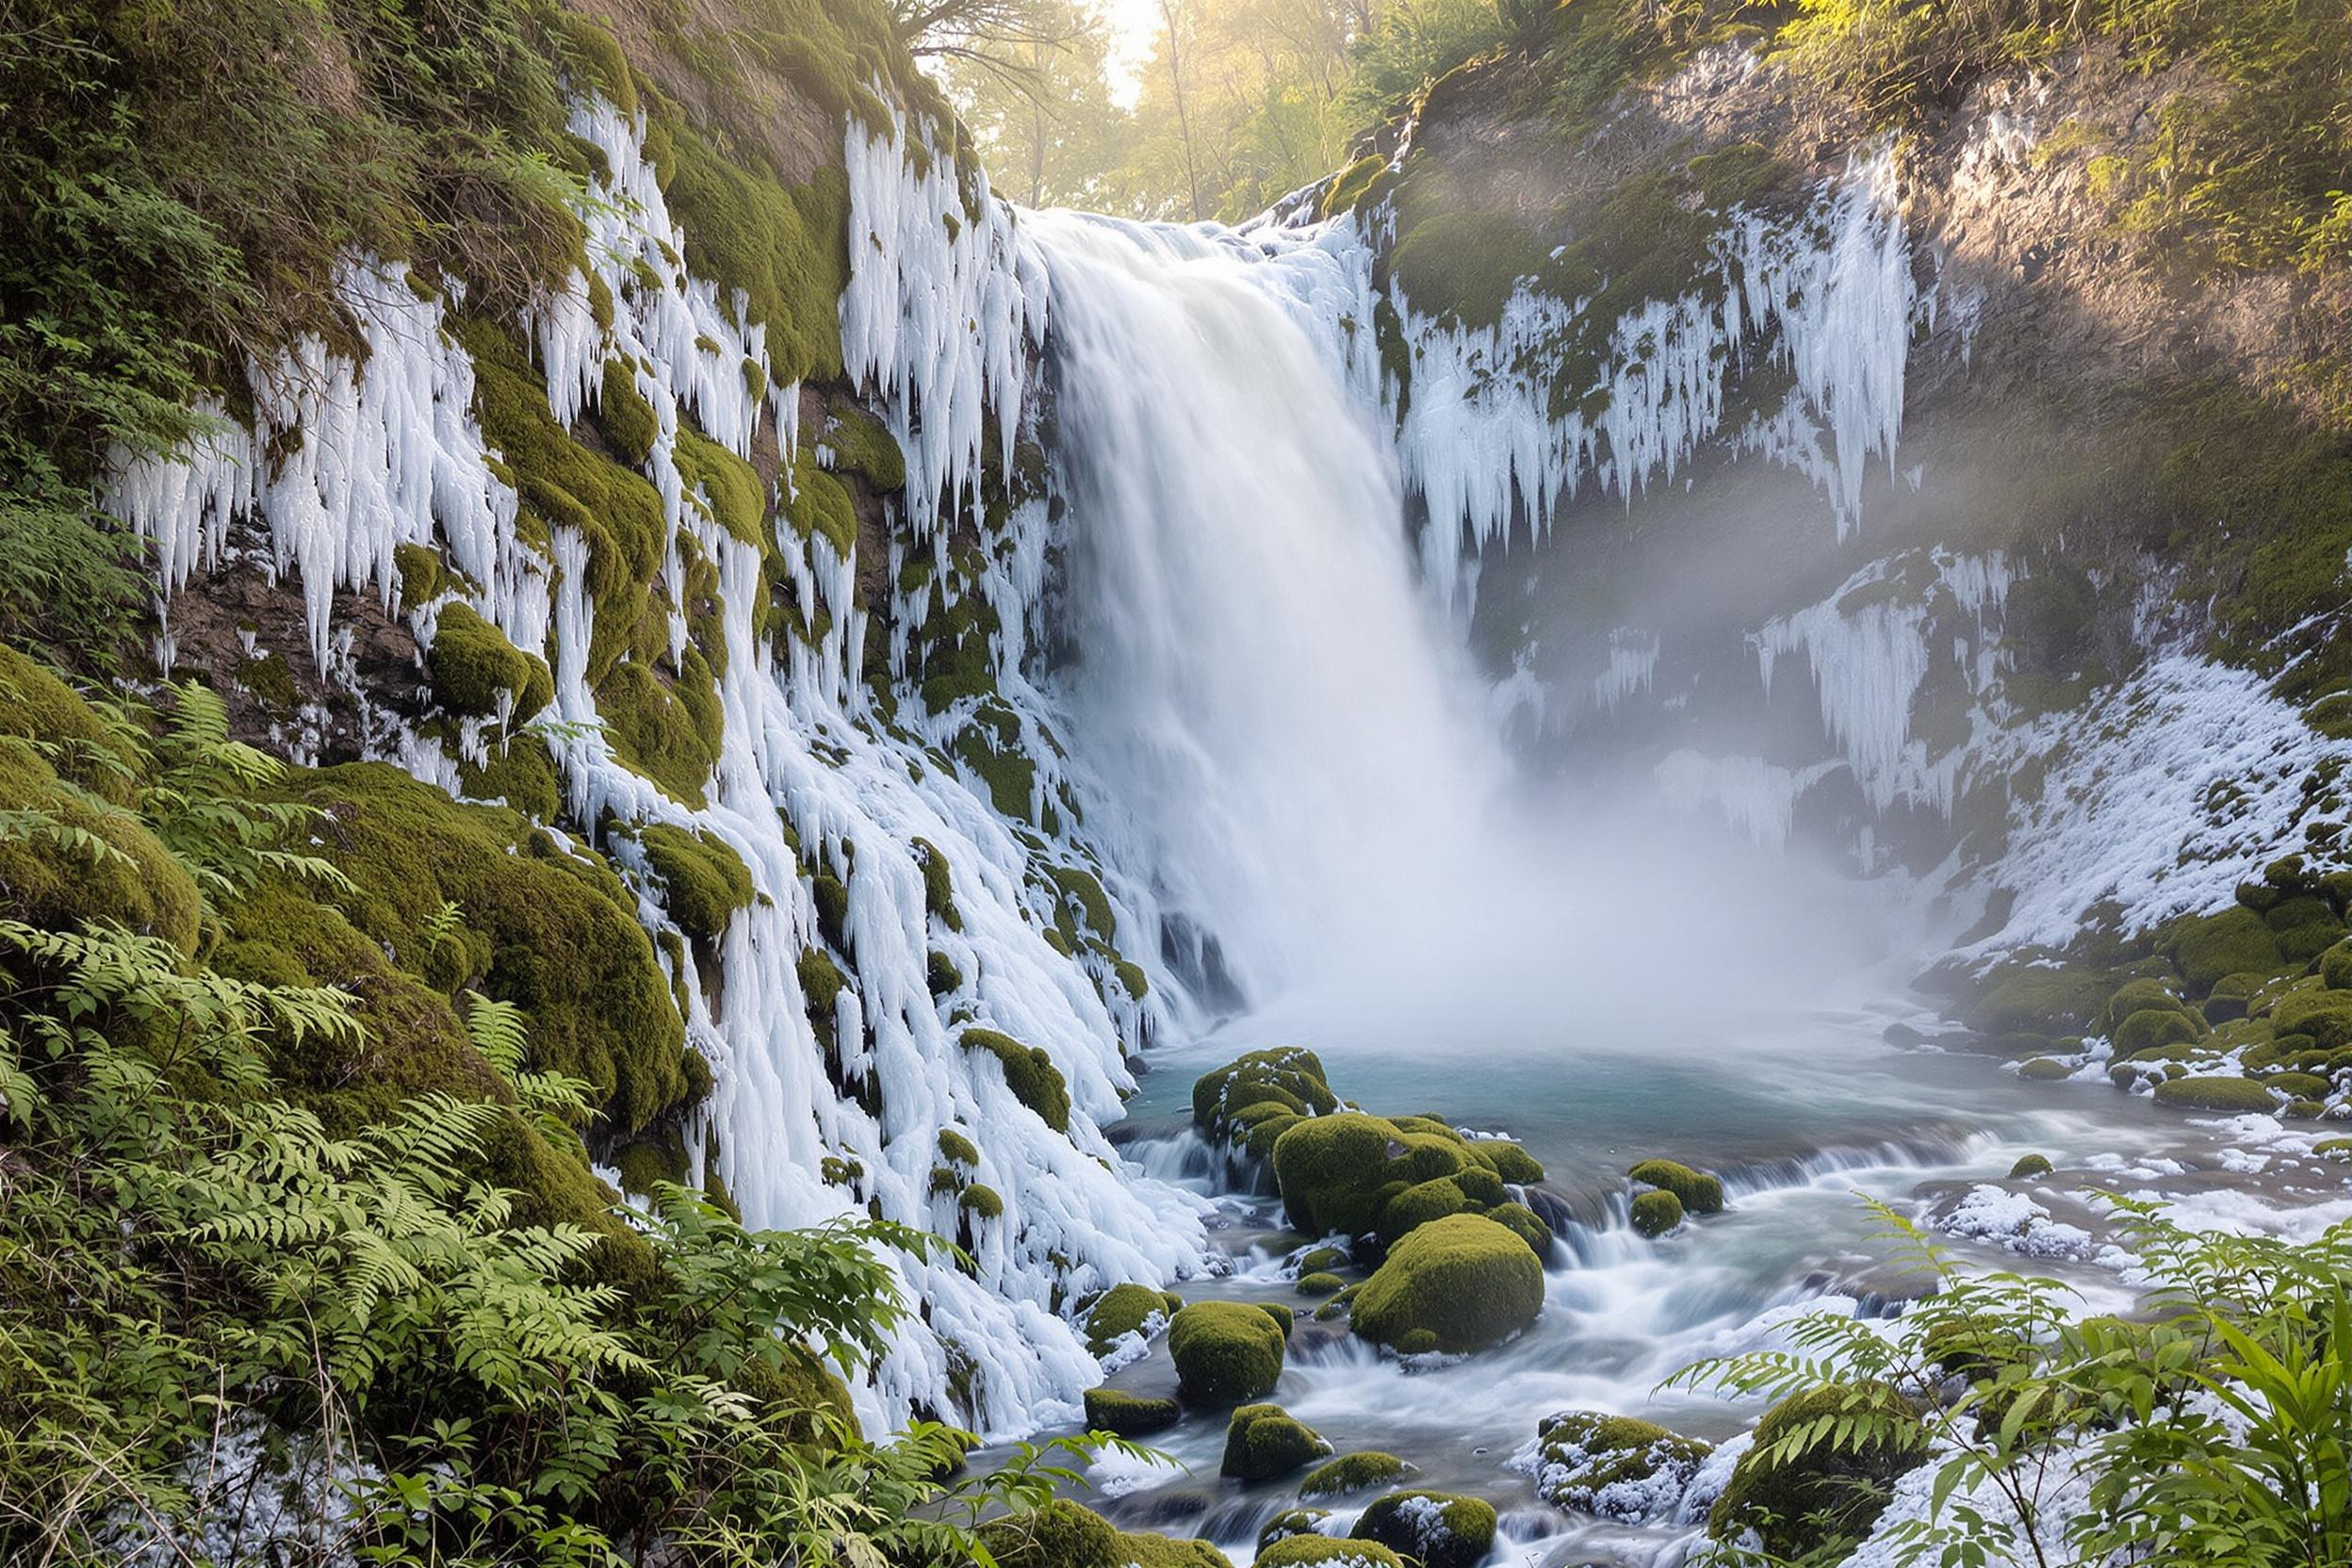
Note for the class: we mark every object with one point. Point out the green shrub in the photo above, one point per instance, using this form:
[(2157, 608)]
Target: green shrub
[(1226, 1353), (1463, 1279), (1800, 1486)]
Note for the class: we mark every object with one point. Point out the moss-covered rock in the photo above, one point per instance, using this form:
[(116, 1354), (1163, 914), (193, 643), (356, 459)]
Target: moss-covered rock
[(550, 929), (2326, 1016), (474, 669), (1507, 1160), (100, 863), (2140, 995), (1437, 1530), (2045, 1070), (1613, 1465), (2233, 941), (1526, 1225), (1416, 1205), (2036, 999), (1287, 1076), (2155, 1026), (1699, 1192), (1029, 1072), (2232, 997), (1226, 1353), (2298, 1085), (1819, 1493), (1064, 1535), (704, 881), (1353, 1473), (2029, 1167), (1320, 1285), (1655, 1213), (1112, 1410), (1463, 1279), (1323, 1551), (1124, 1310), (1263, 1442), (1290, 1522), (958, 1149), (2335, 967)]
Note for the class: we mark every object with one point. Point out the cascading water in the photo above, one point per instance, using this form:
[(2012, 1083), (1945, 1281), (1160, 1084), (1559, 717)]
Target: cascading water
[(1259, 678)]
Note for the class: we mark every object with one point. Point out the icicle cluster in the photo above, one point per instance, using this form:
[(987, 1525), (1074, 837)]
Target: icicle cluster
[(1830, 296), (345, 462)]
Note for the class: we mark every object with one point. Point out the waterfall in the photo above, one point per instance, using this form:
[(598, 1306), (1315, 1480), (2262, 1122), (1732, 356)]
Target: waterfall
[(1259, 676)]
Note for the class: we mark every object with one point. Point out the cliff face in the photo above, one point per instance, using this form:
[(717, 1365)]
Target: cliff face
[(1866, 486), (708, 556)]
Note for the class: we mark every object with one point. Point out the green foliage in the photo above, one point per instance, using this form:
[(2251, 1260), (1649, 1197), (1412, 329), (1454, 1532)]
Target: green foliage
[(2217, 1430)]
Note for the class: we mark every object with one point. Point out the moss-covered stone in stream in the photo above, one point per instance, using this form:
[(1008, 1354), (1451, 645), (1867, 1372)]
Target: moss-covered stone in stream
[(1655, 1213), (1463, 1279), (2232, 1095), (704, 881), (1061, 1534), (1354, 1473), (1226, 1353), (1825, 1492), (1698, 1192), (551, 930), (1264, 1442), (1124, 1310), (1115, 1410), (1436, 1529), (1287, 1076), (1614, 1466), (1323, 1551)]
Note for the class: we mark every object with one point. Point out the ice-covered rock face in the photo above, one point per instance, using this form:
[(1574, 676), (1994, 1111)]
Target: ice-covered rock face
[(349, 461)]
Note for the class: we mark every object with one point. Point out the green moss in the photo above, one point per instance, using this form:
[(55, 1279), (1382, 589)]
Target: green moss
[(822, 983), (1827, 1493), (704, 881), (627, 421), (1031, 1074), (1124, 1310), (955, 1147), (981, 1202), (1656, 1212), (864, 444), (1082, 892), (1226, 1353), (1526, 1224), (785, 248), (1351, 185), (2139, 996), (1699, 1193), (1353, 1473), (2326, 1016), (1436, 1529), (2216, 1094), (2298, 1085), (1316, 1551), (2030, 999), (939, 885), (669, 732), (2208, 947), (1287, 1076), (552, 931), (420, 572), (270, 679), (595, 57), (1464, 1278), (819, 507), (1112, 1410), (738, 501), (1009, 778), (2335, 967), (2029, 1167), (1290, 1522), (1586, 1453), (1264, 1442), (1320, 1285), (1058, 1535), (2156, 1026), (2045, 1070), (1507, 1160), (520, 772), (119, 872), (473, 668)]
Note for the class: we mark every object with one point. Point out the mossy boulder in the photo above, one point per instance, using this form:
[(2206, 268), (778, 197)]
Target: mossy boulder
[(475, 670), (1353, 1473), (1314, 1285), (1655, 1213), (1437, 1530), (1064, 1535), (704, 881), (2235, 941), (100, 863), (1029, 1072), (2045, 1070), (1505, 1159), (1613, 1465), (2326, 1016), (2298, 1085), (1226, 1353), (2335, 967), (1114, 1409), (1418, 1204), (1264, 1442), (1323, 1551), (2134, 996), (2154, 1026), (1287, 1076), (2029, 1167), (2036, 998), (1699, 1192), (1124, 1310), (1465, 1281), (1526, 1225), (2232, 996), (1290, 1522), (544, 927), (1802, 1490)]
